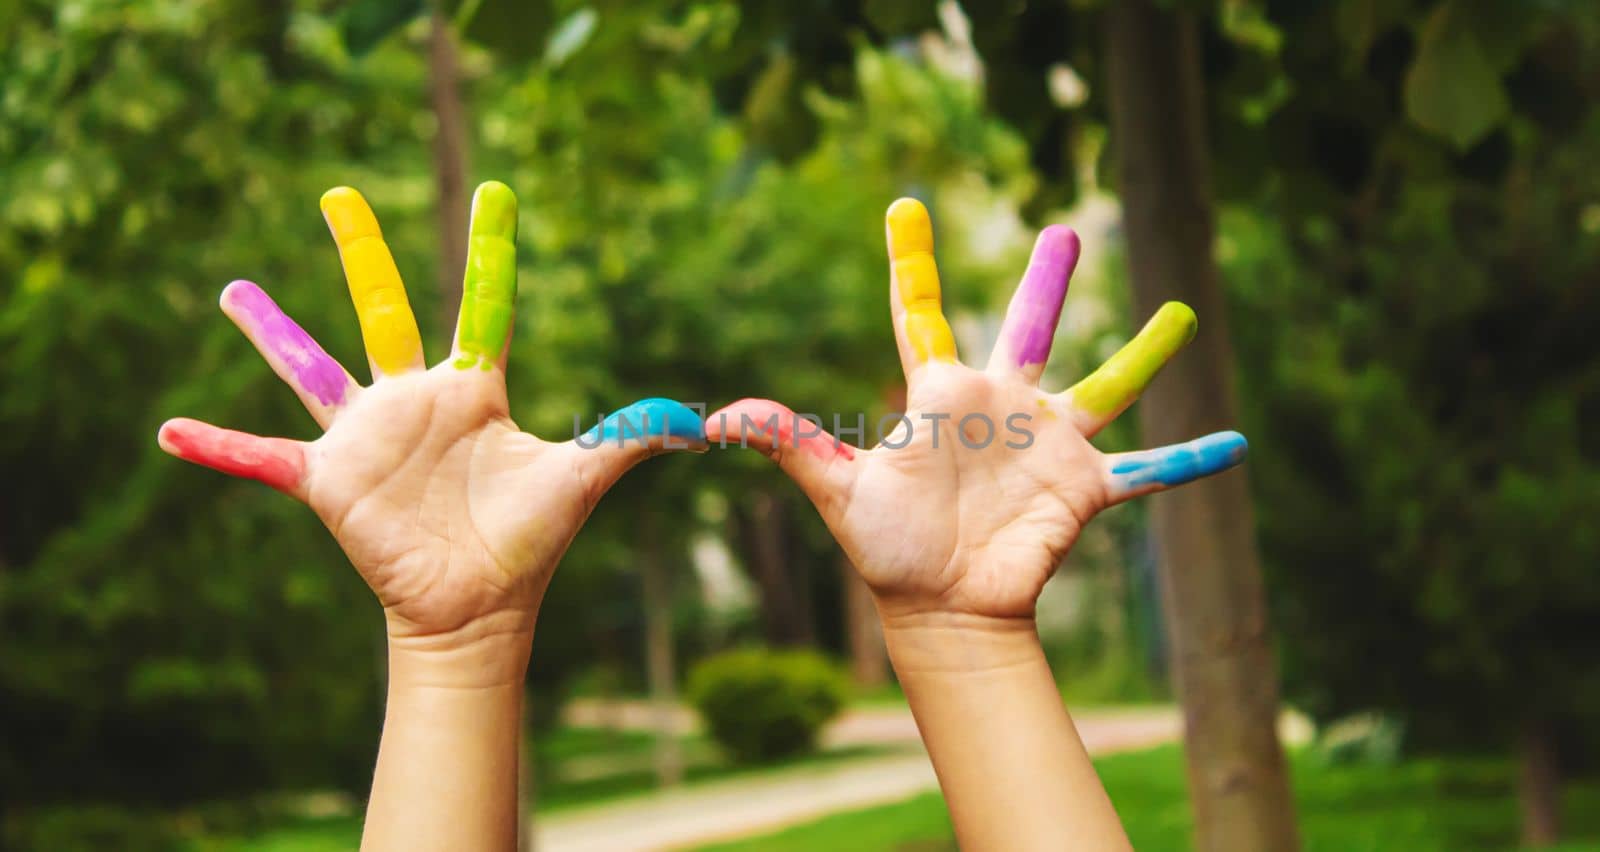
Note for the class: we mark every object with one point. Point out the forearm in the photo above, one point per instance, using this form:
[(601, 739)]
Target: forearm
[(1013, 769), (447, 766)]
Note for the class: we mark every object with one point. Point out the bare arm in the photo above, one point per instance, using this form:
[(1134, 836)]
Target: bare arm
[(1010, 763), (447, 765)]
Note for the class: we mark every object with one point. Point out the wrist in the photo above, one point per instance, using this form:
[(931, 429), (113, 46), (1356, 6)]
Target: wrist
[(488, 651), (933, 642)]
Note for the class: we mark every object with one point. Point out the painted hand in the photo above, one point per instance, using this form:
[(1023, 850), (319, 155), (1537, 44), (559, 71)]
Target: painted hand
[(454, 516), (971, 502)]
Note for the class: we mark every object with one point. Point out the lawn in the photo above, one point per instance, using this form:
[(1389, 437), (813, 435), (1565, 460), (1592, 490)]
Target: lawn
[(1426, 805), (582, 766), (1416, 806)]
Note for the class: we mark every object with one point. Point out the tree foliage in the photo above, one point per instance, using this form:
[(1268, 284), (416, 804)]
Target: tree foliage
[(1416, 291), (187, 635)]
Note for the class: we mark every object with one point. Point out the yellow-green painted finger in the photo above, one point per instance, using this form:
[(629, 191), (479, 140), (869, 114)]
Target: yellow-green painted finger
[(489, 287), (388, 327), (1103, 394), (917, 279)]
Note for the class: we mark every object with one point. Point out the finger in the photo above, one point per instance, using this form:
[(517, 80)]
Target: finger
[(921, 331), (632, 434), (489, 287), (1030, 325), (821, 464), (1108, 391), (388, 327), (278, 462), (321, 383), (1129, 475)]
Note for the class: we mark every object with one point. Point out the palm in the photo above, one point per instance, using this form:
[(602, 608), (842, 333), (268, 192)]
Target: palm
[(978, 526), (447, 510), (444, 506)]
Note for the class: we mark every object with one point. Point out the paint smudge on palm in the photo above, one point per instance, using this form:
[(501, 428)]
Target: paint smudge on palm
[(489, 287), (1165, 467), (296, 356), (765, 424), (656, 422), (276, 462)]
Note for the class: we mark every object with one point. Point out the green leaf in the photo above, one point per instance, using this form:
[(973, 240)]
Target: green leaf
[(365, 23), (513, 29), (900, 18), (570, 35), (1245, 22), (1360, 22), (1452, 88)]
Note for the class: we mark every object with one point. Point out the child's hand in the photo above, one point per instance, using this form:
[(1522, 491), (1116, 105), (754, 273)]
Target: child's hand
[(970, 504), (454, 516)]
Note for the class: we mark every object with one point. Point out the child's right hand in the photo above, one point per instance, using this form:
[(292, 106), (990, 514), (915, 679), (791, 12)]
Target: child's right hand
[(454, 516)]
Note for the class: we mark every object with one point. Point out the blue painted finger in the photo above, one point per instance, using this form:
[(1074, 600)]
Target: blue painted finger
[(1132, 474), (655, 423)]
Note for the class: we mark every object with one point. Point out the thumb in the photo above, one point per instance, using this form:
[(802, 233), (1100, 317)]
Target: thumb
[(634, 433), (822, 465)]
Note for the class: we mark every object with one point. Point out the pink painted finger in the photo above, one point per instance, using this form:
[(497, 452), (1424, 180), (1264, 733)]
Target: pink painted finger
[(278, 462), (320, 382), (817, 461), (1030, 326)]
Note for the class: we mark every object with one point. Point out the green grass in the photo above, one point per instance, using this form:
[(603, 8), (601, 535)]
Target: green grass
[(1418, 806), (327, 834)]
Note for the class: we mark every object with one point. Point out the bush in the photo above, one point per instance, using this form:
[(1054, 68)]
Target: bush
[(70, 828), (761, 705)]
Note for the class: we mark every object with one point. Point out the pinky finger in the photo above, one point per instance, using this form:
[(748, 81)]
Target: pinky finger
[(1130, 475), (277, 462)]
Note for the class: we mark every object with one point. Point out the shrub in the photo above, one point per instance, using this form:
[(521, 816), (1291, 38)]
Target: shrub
[(71, 828), (761, 705)]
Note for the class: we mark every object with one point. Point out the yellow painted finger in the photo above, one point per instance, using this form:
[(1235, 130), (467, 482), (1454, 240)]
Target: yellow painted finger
[(917, 279), (388, 327)]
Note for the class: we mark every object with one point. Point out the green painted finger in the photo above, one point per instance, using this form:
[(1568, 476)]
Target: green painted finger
[(1103, 394), (490, 285)]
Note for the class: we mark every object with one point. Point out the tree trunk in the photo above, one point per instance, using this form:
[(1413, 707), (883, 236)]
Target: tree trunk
[(1211, 575), (660, 667), (764, 546), (869, 657), (1539, 786), (449, 163)]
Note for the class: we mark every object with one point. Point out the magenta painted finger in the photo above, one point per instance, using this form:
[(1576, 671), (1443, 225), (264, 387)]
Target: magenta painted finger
[(318, 379), (1030, 325)]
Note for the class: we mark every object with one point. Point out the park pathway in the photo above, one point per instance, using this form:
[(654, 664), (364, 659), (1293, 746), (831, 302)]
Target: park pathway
[(723, 810)]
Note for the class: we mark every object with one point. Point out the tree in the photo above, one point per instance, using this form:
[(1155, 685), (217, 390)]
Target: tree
[(181, 634), (1216, 610), (1414, 273)]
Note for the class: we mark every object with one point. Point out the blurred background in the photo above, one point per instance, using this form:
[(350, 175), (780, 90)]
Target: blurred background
[(1386, 212)]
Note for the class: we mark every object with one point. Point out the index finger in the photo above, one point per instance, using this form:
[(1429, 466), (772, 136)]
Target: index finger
[(920, 326), (388, 328)]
